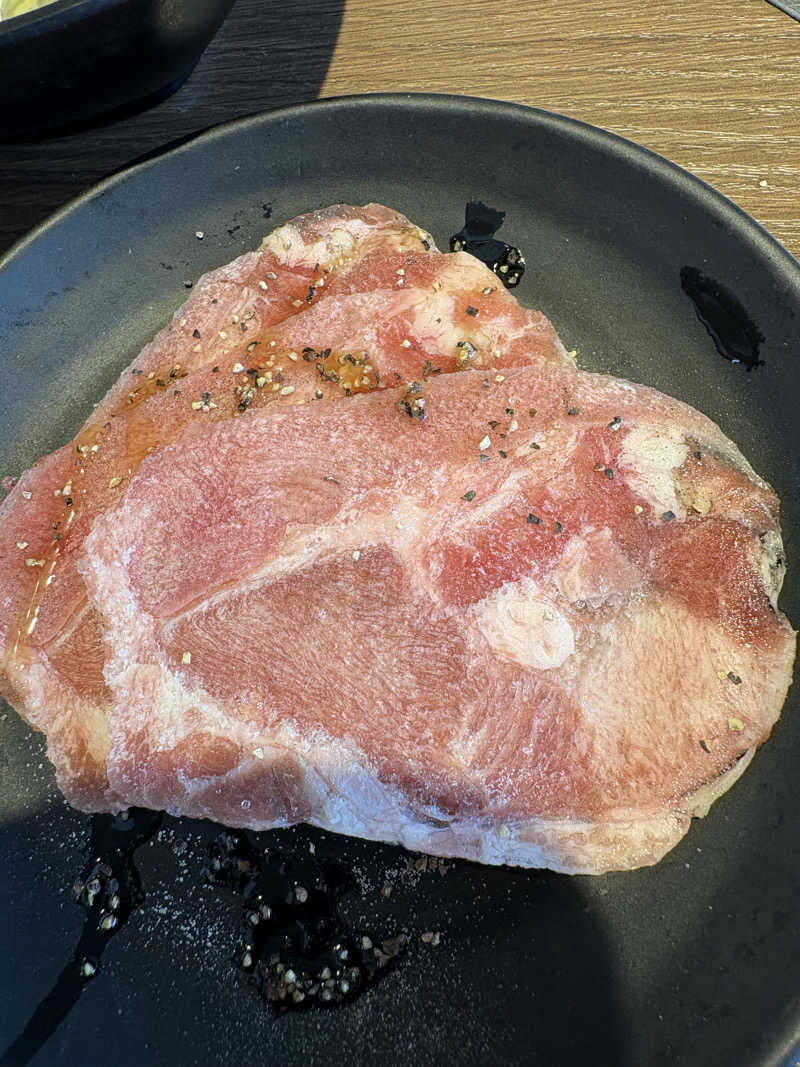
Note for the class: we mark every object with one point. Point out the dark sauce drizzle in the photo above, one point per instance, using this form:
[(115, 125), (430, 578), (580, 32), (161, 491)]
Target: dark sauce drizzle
[(294, 940), (477, 237), (109, 890), (735, 335)]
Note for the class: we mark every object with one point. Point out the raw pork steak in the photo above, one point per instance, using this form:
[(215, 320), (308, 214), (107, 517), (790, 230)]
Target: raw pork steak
[(537, 626), (334, 303)]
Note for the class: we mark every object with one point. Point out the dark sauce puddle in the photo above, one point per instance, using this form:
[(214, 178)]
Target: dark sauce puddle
[(294, 941), (477, 237), (109, 890), (735, 335)]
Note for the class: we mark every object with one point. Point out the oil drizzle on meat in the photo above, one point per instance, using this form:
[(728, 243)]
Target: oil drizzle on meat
[(109, 890), (294, 939), (735, 335), (477, 237)]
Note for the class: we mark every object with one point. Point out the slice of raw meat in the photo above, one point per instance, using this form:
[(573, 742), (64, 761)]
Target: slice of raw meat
[(537, 626), (337, 302)]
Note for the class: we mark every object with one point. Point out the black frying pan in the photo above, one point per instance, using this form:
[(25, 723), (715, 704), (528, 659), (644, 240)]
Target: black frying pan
[(695, 961)]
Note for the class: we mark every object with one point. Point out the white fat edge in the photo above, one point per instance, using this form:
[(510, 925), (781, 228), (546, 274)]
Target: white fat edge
[(290, 249), (649, 456), (334, 246), (772, 573)]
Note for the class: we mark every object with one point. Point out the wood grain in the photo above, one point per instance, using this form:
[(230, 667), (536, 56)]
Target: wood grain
[(715, 87)]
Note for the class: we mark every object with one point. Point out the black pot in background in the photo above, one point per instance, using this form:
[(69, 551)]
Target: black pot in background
[(75, 60)]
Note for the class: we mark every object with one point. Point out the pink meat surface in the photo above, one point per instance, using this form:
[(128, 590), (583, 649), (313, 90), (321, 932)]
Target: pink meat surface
[(334, 303), (537, 626)]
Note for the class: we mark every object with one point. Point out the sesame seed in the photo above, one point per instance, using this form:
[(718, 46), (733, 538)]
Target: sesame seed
[(22, 544), (287, 390), (196, 405), (263, 285), (186, 657), (297, 303), (27, 495), (271, 275), (292, 356), (638, 509), (484, 443), (499, 378), (223, 334), (736, 725), (196, 348), (237, 368), (34, 562), (513, 425), (405, 344), (356, 555), (504, 830), (114, 482), (199, 235), (182, 322)]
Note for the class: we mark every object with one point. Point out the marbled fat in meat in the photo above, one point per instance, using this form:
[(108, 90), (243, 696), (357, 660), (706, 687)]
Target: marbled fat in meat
[(366, 287), (431, 632)]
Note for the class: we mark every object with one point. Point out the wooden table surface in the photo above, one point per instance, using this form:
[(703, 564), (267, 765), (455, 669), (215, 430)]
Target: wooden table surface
[(713, 86)]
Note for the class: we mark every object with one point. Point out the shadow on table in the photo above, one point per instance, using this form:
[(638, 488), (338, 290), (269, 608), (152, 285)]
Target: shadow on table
[(264, 56)]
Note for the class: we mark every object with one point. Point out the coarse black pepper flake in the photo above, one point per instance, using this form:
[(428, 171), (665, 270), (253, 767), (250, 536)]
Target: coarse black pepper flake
[(531, 412), (705, 745), (485, 383), (532, 519), (68, 501), (573, 411), (502, 453), (215, 370), (509, 411), (734, 678), (608, 473), (559, 527), (469, 495), (428, 368), (494, 423), (187, 284), (534, 446), (615, 423), (698, 455), (196, 333), (668, 516), (471, 310)]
